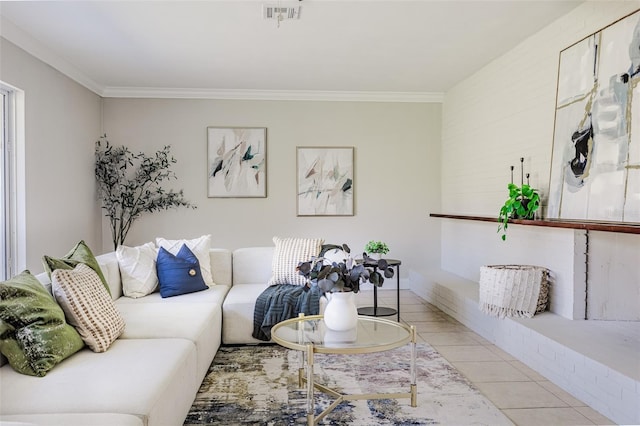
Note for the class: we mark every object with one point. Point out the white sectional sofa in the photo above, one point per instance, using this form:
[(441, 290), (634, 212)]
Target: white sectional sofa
[(151, 374)]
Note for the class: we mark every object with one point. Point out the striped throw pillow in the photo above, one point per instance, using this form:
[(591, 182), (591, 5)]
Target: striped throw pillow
[(87, 306), (288, 253)]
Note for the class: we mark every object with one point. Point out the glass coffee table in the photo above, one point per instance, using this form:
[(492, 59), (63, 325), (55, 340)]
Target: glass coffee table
[(309, 335)]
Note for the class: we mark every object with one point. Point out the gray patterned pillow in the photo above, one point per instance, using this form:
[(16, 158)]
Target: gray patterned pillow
[(288, 253), (87, 306)]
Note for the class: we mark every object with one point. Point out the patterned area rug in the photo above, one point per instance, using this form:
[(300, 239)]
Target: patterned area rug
[(258, 385)]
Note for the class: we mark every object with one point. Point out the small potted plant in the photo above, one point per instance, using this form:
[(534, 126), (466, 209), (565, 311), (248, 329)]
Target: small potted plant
[(523, 202), (375, 249)]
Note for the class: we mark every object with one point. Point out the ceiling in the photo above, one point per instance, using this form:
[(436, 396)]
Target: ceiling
[(194, 48)]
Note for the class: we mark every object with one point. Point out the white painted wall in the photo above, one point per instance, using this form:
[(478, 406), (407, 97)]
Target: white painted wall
[(397, 153), (62, 120), (501, 113)]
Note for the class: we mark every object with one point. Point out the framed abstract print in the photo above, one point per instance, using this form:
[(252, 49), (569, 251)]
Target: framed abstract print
[(324, 181)]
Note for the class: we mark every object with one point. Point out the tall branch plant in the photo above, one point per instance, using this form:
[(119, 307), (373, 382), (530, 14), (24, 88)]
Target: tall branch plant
[(131, 184)]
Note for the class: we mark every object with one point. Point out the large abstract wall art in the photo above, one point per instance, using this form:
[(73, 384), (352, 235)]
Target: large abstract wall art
[(595, 168), (237, 161), (325, 181)]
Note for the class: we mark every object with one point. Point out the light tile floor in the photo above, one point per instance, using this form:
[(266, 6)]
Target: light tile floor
[(522, 394)]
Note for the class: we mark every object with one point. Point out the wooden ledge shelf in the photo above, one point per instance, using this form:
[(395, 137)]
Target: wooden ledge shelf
[(621, 228)]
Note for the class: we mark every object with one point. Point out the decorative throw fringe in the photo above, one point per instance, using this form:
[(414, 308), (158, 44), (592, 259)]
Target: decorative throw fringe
[(497, 311), (518, 291)]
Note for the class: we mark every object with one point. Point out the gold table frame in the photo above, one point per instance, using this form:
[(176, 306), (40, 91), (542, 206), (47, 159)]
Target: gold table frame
[(303, 334)]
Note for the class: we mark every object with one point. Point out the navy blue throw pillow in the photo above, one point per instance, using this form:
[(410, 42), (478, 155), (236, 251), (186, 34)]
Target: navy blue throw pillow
[(179, 274)]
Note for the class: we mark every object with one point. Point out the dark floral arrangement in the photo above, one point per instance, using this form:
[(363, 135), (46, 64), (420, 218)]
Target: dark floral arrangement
[(130, 185), (345, 275)]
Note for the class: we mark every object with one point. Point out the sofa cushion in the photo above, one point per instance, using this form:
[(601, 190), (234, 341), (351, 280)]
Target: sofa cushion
[(81, 253), (213, 294), (199, 323), (237, 309), (154, 379), (138, 269), (288, 253), (199, 246), (34, 335), (87, 306), (180, 273)]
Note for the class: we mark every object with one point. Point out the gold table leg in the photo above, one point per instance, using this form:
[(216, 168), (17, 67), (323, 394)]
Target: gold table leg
[(310, 400), (301, 369), (307, 379)]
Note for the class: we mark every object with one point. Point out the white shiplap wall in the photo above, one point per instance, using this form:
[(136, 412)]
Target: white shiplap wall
[(501, 113)]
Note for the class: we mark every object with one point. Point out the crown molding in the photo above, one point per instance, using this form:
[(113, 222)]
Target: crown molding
[(272, 95), (15, 35)]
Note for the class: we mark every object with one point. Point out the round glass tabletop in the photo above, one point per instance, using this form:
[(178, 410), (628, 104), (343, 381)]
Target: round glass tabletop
[(371, 335)]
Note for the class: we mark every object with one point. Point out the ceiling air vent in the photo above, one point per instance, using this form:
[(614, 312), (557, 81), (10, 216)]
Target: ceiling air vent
[(280, 12)]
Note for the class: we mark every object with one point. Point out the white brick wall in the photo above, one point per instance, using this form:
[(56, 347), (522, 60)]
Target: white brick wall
[(468, 245), (501, 113)]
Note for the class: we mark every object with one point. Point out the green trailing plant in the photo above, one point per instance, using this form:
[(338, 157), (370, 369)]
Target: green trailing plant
[(523, 202), (131, 184), (376, 247), (346, 275)]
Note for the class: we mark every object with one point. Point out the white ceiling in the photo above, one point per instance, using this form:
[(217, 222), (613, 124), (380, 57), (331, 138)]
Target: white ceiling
[(128, 48)]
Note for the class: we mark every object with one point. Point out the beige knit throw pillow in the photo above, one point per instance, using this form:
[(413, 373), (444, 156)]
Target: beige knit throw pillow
[(87, 306)]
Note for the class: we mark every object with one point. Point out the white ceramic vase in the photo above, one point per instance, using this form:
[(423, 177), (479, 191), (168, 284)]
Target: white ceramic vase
[(341, 313)]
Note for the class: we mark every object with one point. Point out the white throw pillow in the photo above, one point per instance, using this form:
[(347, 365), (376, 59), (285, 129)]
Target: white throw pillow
[(87, 306), (198, 246), (288, 253), (138, 269)]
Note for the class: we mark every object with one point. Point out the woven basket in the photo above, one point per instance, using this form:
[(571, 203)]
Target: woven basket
[(513, 290)]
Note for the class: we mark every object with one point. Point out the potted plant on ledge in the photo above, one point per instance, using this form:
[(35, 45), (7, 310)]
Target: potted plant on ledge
[(523, 202)]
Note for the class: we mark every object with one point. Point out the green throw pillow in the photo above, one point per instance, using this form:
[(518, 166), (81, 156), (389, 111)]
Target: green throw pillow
[(34, 335), (81, 253)]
